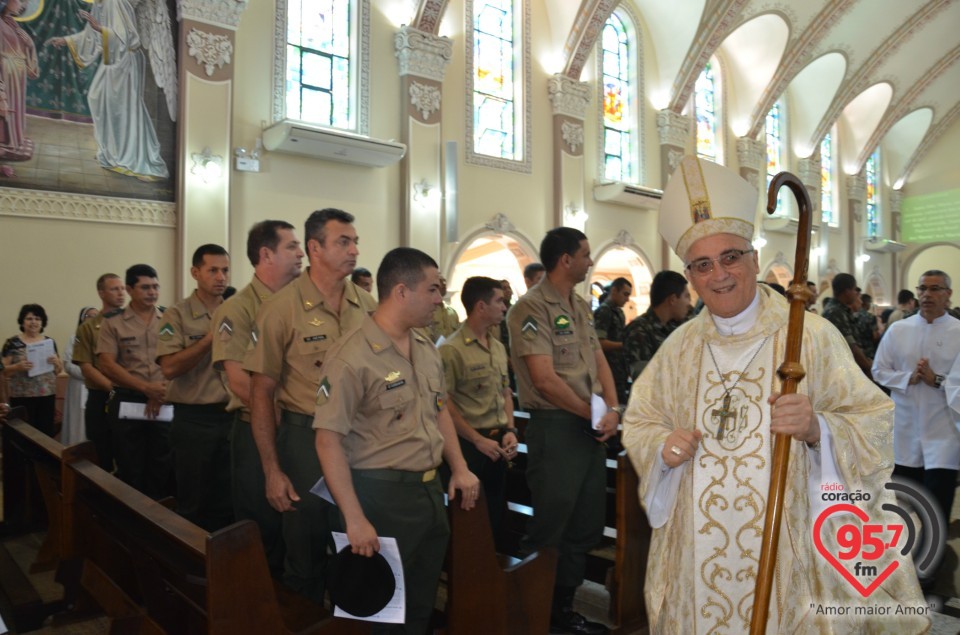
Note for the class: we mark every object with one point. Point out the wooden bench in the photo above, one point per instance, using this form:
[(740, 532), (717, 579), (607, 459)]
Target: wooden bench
[(492, 594), (32, 474), (152, 571)]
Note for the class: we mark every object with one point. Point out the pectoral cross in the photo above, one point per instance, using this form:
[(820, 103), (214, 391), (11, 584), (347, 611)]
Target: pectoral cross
[(724, 414)]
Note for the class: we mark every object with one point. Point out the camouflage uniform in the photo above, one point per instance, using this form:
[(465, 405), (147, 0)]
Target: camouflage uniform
[(841, 316), (610, 323), (864, 327), (642, 338)]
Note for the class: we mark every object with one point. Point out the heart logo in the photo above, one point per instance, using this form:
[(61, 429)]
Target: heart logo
[(866, 544)]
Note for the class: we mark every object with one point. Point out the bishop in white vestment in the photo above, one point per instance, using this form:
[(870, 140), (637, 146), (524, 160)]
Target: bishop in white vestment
[(699, 430)]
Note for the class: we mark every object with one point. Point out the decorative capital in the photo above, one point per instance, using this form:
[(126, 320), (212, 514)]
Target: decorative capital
[(572, 134), (225, 13), (751, 154), (568, 96), (674, 128), (209, 49), (500, 224), (857, 187), (895, 200), (422, 54), (808, 171), (425, 98)]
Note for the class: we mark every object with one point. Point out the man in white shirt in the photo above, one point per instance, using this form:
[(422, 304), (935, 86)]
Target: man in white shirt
[(913, 360)]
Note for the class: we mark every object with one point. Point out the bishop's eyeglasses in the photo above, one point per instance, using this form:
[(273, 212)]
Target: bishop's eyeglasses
[(729, 260)]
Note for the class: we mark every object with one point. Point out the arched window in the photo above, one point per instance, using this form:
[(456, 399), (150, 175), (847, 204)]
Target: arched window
[(775, 148), (706, 107), (618, 116), (826, 182), (497, 64), (873, 194), (324, 61)]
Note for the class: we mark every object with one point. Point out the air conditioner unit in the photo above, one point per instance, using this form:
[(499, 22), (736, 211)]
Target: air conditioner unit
[(332, 145), (628, 195), (883, 245)]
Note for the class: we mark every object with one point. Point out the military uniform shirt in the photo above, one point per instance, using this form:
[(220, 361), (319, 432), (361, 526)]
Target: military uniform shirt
[(234, 324), (543, 322), (610, 323), (295, 329), (841, 317), (385, 406), (133, 343), (476, 376), (84, 350), (864, 326), (445, 322), (642, 338), (184, 324)]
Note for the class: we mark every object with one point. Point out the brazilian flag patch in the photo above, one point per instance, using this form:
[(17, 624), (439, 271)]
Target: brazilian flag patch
[(529, 328), (166, 331), (323, 392)]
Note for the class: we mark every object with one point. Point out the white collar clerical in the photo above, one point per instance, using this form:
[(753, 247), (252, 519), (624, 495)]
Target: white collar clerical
[(741, 322)]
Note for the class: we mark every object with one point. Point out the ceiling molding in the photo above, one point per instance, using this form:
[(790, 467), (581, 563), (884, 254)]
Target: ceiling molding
[(798, 54), (720, 21), (585, 33), (905, 104), (429, 14), (859, 80)]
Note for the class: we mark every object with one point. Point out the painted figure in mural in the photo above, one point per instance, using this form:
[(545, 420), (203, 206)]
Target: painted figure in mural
[(18, 64), (116, 33)]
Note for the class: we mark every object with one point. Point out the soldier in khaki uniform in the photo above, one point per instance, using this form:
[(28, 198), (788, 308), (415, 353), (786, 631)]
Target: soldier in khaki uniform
[(382, 430), (110, 290), (559, 367), (127, 354), (296, 327), (444, 321), (201, 425), (478, 391), (276, 256)]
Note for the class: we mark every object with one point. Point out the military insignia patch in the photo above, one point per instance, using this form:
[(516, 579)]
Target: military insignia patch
[(440, 402), (323, 392), (392, 376), (529, 328), (562, 322), (166, 331), (255, 334), (225, 330), (316, 322)]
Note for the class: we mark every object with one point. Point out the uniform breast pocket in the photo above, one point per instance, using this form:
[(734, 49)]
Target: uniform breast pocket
[(396, 408), (313, 345), (566, 350), (478, 378)]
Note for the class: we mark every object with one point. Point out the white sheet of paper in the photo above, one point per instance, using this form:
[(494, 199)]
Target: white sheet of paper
[(320, 489), (598, 409), (134, 410), (396, 609), (37, 354)]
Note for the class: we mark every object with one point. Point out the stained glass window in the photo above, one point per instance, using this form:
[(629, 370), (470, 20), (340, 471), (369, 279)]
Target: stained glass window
[(873, 197), (826, 181), (320, 67), (617, 118), (774, 148), (705, 106), (495, 116)]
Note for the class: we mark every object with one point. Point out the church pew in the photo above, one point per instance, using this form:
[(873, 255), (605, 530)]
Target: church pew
[(152, 571), (32, 470), (508, 598)]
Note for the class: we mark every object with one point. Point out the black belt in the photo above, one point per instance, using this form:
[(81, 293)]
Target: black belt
[(397, 476), (296, 419)]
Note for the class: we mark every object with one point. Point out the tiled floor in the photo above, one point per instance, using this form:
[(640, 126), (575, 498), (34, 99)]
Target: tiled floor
[(64, 159)]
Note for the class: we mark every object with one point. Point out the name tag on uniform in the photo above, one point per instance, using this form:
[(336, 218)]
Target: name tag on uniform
[(315, 338), (396, 384), (196, 337), (478, 367), (128, 339)]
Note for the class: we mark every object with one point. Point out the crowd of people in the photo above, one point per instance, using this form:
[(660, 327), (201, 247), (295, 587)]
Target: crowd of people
[(238, 407)]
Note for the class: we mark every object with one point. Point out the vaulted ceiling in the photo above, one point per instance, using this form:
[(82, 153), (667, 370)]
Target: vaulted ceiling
[(889, 70)]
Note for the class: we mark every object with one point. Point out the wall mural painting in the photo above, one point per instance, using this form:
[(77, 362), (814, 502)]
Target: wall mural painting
[(88, 96)]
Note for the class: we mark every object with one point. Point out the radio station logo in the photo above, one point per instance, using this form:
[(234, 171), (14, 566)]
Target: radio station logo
[(914, 525)]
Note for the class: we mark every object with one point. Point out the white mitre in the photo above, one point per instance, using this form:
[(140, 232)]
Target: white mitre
[(703, 198)]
